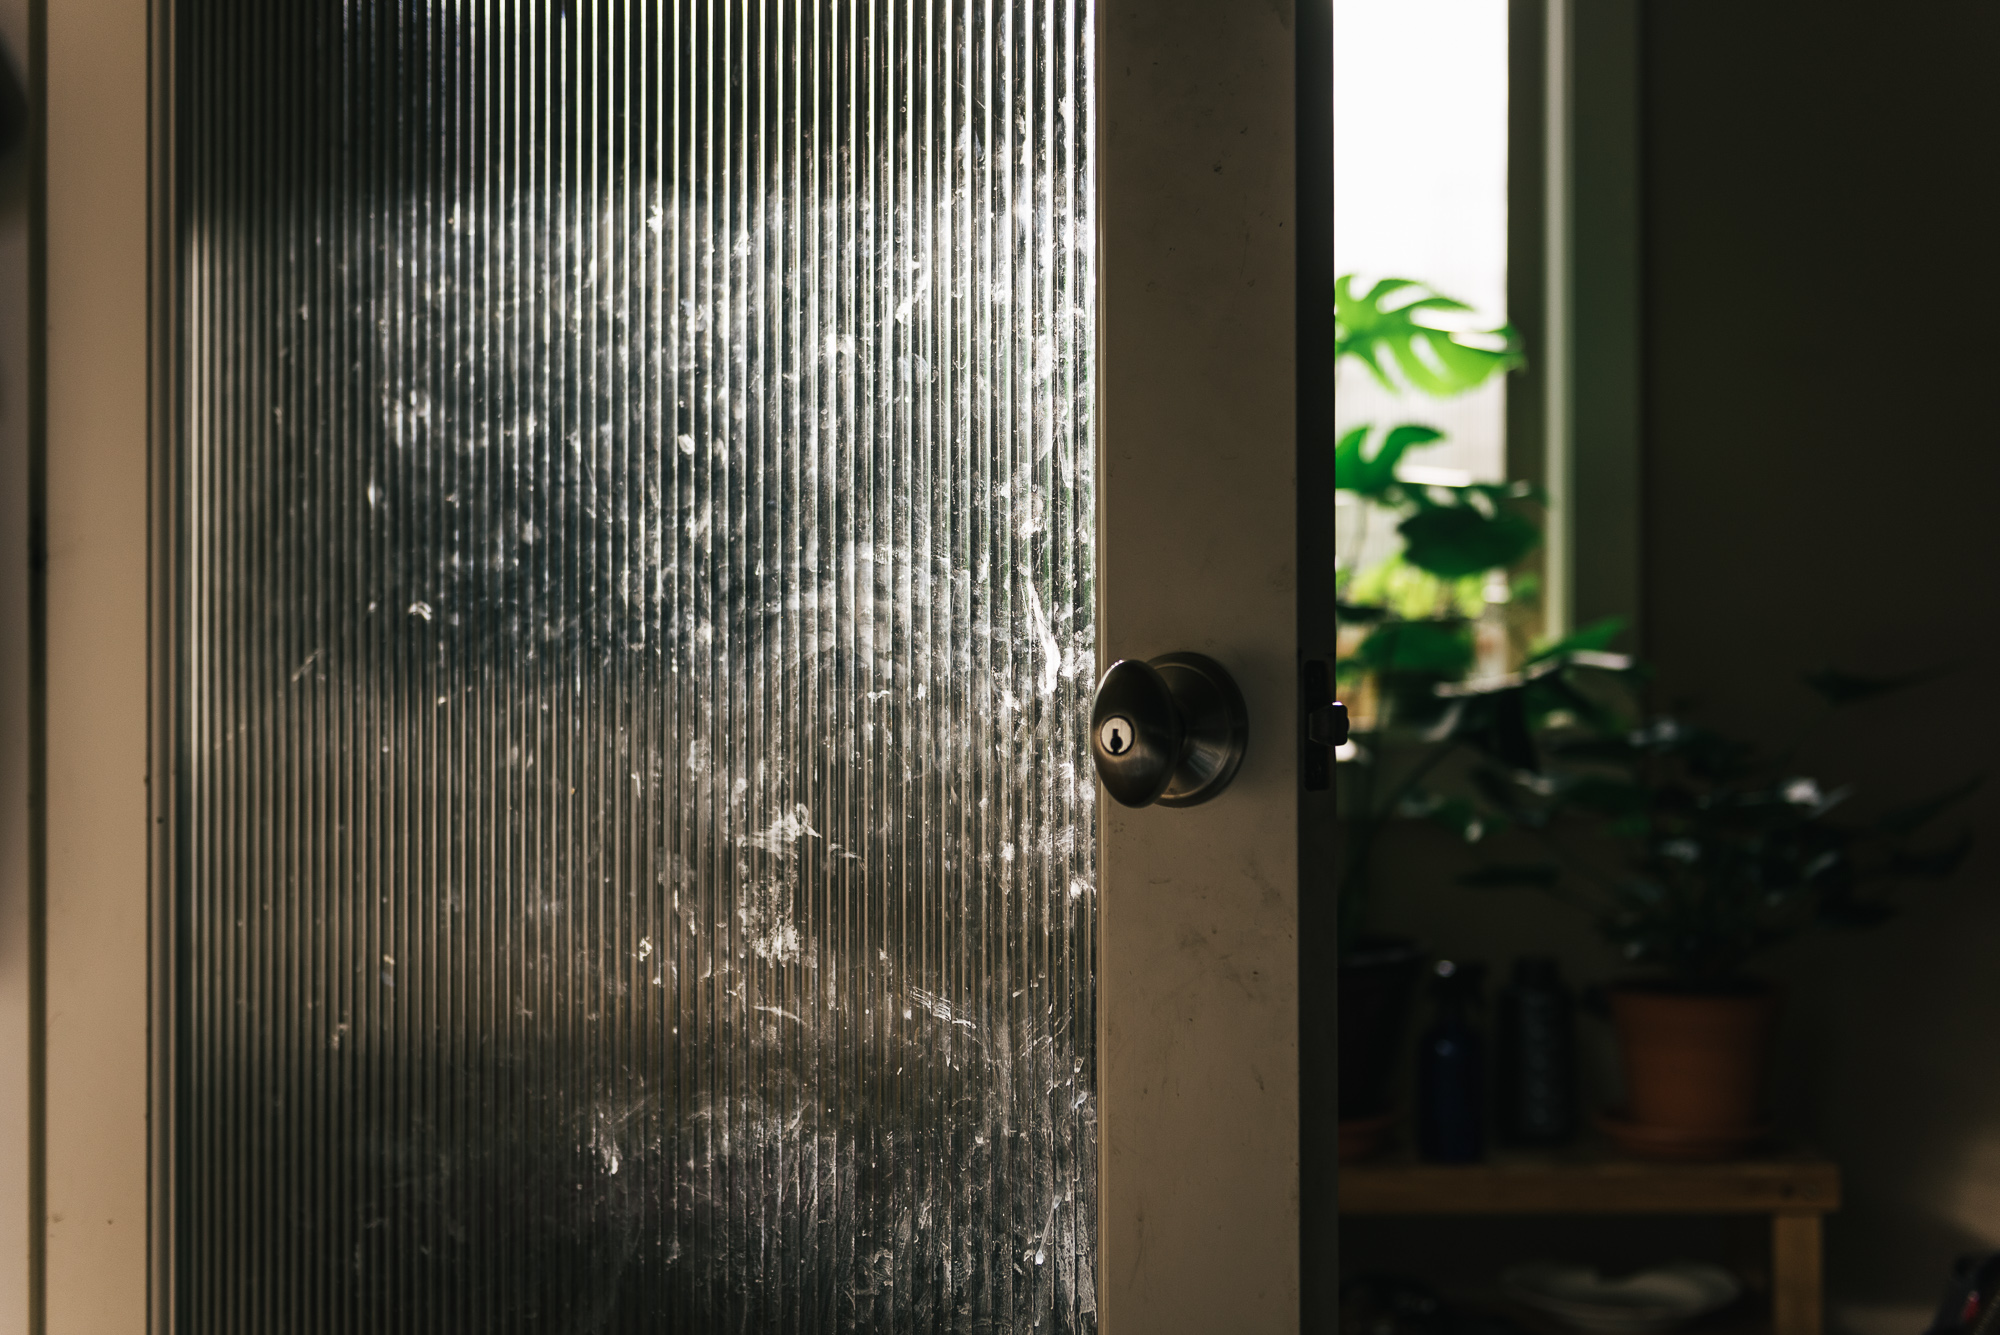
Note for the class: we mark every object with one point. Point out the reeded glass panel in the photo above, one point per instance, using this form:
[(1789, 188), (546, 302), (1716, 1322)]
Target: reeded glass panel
[(637, 846)]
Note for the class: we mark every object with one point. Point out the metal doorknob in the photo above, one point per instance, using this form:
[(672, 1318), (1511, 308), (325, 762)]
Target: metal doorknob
[(1171, 730)]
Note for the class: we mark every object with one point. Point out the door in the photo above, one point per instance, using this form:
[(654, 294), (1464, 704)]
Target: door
[(580, 538)]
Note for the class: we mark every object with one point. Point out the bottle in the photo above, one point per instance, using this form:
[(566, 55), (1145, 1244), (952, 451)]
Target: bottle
[(1535, 1074), (1451, 1070)]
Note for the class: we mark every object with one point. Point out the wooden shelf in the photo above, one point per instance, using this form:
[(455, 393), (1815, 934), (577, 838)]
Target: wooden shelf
[(1591, 1182), (1745, 1317), (1795, 1190)]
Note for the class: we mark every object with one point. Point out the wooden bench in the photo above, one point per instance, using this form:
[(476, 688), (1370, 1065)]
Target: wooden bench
[(1796, 1191)]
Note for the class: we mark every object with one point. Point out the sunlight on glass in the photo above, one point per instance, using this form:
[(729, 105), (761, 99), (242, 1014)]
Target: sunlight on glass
[(640, 836)]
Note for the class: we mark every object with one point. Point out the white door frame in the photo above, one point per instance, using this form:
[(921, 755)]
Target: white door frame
[(1198, 974), (1198, 957), (90, 1062)]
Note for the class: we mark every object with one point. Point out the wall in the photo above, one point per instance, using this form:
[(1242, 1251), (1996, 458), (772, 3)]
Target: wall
[(1821, 467), (1822, 438)]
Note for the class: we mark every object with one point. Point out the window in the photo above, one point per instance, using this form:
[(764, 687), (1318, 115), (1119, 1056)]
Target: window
[(1489, 149), (1420, 191)]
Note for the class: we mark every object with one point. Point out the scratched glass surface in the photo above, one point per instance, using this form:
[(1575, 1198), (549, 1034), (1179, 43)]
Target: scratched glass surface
[(636, 836)]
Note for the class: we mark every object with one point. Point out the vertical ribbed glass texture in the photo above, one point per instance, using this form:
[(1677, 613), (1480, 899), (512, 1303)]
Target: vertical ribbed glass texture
[(637, 848)]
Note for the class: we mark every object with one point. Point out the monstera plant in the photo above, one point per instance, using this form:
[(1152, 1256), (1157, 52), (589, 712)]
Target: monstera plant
[(1700, 851), (1409, 627), (1409, 622), (1695, 853)]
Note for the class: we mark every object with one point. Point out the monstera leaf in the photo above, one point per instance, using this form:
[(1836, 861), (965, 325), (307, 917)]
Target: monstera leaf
[(1434, 360), (1438, 647), (1374, 475), (1590, 641), (1453, 541)]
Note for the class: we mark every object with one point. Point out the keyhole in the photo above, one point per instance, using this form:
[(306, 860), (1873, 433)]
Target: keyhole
[(1115, 735)]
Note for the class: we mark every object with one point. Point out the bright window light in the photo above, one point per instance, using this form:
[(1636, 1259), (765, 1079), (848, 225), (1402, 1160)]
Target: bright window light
[(1420, 191)]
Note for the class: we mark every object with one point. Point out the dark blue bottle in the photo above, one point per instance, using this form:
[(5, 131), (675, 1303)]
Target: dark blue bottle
[(1534, 1039), (1451, 1070)]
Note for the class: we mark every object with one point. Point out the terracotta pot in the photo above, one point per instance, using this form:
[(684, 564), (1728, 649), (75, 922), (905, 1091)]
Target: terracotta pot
[(1693, 1062)]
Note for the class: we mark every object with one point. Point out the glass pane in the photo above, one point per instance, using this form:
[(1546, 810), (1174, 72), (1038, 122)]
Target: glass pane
[(638, 853)]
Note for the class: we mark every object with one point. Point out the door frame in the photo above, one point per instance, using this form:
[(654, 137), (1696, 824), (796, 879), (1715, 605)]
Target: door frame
[(91, 1053), (1199, 411), (1198, 958)]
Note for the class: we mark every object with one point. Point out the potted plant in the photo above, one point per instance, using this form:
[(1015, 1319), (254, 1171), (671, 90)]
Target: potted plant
[(1409, 625), (1473, 726), (1696, 853)]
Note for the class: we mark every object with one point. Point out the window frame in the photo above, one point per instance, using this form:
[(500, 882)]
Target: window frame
[(1575, 293)]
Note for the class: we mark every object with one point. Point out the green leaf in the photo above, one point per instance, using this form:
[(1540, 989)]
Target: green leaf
[(1908, 820), (1414, 594), (1506, 875), (1429, 648), (1433, 360), (1594, 638), (1359, 614), (1374, 475), (1840, 688), (1452, 541)]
